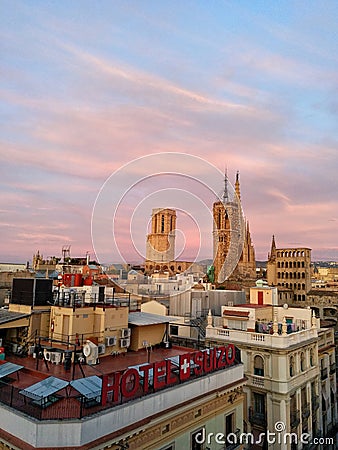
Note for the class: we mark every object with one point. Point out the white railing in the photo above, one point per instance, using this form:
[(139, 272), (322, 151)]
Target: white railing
[(257, 381), (267, 340)]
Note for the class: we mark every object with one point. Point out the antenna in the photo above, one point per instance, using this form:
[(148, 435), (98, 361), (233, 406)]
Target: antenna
[(65, 252)]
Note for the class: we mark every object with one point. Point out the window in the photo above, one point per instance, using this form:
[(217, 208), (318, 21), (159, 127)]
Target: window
[(292, 366), (169, 447), (311, 358), (229, 425), (162, 223), (259, 403), (196, 440), (259, 366), (302, 362)]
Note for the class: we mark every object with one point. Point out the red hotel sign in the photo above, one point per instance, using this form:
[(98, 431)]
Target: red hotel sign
[(160, 374)]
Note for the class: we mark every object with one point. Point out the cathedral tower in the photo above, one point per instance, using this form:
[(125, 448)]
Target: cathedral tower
[(231, 239), (161, 241)]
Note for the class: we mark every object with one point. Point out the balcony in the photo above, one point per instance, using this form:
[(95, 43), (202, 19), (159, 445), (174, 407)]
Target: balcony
[(332, 368), (323, 373), (257, 418), (258, 381), (315, 402), (294, 418), (306, 411), (260, 339), (235, 438)]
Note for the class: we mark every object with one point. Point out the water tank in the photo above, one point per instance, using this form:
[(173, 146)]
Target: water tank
[(78, 279)]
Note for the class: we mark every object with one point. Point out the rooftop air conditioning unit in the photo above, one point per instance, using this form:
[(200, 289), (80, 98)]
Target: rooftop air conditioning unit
[(125, 332), (46, 354), (125, 343), (101, 349), (91, 352), (110, 341)]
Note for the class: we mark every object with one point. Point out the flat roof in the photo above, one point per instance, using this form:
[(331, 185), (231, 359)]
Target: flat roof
[(252, 305), (10, 316), (143, 318)]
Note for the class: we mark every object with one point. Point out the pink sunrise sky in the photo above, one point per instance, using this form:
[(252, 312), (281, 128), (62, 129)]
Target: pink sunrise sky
[(89, 87)]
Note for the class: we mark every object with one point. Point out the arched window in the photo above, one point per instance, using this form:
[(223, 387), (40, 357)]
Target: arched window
[(286, 264), (259, 366), (302, 362), (278, 264), (312, 361), (162, 223), (292, 366)]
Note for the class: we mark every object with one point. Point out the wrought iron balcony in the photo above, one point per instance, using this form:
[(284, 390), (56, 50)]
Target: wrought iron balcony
[(315, 402), (323, 373), (294, 418), (306, 411), (236, 441), (257, 418)]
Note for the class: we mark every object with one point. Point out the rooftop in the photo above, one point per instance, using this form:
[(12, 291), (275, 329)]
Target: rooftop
[(9, 316), (144, 318), (67, 404)]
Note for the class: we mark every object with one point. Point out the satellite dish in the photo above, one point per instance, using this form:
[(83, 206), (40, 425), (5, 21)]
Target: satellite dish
[(285, 306), (86, 350)]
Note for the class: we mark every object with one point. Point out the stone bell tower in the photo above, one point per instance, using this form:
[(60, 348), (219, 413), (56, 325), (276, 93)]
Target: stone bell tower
[(160, 245)]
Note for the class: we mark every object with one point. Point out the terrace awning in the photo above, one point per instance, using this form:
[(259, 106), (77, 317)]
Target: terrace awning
[(43, 389), (8, 368), (89, 387)]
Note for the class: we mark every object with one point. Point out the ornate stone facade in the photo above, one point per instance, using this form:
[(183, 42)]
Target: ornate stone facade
[(232, 240), (160, 247)]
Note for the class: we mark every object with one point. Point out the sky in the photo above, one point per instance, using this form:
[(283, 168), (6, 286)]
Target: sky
[(90, 88)]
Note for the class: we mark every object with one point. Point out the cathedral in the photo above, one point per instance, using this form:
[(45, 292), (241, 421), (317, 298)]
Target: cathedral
[(160, 245), (233, 251)]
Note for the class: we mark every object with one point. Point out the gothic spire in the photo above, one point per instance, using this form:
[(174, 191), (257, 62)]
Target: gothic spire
[(272, 254), (237, 187), (225, 193)]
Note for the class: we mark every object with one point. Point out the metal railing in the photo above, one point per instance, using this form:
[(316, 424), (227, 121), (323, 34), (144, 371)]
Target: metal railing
[(294, 418), (257, 418)]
